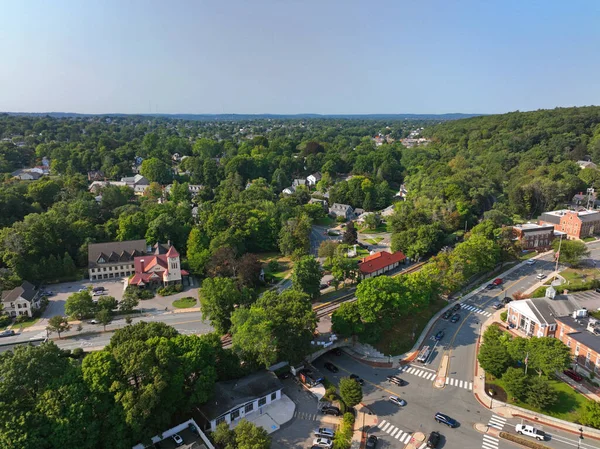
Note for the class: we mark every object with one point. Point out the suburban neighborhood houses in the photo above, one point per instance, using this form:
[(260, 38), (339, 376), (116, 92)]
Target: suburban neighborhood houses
[(22, 300)]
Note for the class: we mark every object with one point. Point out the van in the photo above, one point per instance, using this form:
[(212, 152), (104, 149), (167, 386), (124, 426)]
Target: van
[(424, 354)]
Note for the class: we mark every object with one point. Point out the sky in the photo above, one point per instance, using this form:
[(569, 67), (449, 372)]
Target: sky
[(298, 56)]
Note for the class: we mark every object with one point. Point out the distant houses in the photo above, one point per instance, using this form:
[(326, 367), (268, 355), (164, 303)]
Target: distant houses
[(586, 164), (314, 179), (341, 210), (137, 183)]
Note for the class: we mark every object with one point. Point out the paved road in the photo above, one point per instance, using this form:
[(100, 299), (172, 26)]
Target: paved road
[(319, 234)]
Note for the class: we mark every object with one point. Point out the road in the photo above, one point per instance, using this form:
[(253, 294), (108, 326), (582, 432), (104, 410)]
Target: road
[(395, 424), (318, 234)]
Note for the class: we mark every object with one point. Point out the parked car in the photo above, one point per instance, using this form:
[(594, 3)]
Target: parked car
[(490, 286), (48, 293), (396, 380), (540, 276), (82, 290), (323, 286), (506, 300), (455, 318), (456, 307), (284, 375), (93, 321), (7, 333), (434, 439), (497, 305), (330, 410), (439, 335), (530, 431), (178, 440), (396, 400), (371, 442), (193, 429), (498, 281), (530, 262), (98, 293), (322, 442), (356, 378), (573, 375), (324, 432), (447, 314), (331, 367), (445, 419)]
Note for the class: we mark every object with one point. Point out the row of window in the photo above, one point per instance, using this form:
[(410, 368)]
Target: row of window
[(249, 407), (112, 268)]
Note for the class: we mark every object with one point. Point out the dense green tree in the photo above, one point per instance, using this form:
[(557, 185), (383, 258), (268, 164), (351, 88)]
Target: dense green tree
[(540, 393), (58, 324), (350, 391), (104, 317), (107, 303), (346, 320), (80, 305), (306, 276), (493, 355), (218, 298), (350, 234), (571, 251), (156, 170), (548, 355), (295, 236), (515, 382)]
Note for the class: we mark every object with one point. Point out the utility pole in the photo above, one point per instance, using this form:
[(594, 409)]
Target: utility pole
[(580, 438), (526, 362), (557, 256)]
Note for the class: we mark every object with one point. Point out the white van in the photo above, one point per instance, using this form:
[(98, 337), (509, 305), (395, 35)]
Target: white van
[(424, 354)]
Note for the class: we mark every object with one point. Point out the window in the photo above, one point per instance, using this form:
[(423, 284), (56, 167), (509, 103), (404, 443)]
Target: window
[(569, 342), (273, 396), (562, 331), (249, 407), (235, 414), (262, 401), (219, 420)]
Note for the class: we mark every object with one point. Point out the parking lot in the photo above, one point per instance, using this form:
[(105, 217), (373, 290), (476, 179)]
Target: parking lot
[(299, 432)]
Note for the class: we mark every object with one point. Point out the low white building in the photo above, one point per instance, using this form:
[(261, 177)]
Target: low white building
[(189, 431), (21, 300)]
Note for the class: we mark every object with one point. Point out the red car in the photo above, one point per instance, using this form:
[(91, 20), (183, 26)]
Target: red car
[(497, 281), (573, 375)]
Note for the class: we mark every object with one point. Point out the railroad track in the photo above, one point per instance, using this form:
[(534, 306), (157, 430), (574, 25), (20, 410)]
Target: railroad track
[(412, 269)]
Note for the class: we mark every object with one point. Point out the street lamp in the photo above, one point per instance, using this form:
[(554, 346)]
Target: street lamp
[(580, 437)]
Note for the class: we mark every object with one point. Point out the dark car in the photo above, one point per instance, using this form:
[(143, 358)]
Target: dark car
[(455, 318), (456, 307), (7, 333), (284, 375), (396, 380), (439, 335), (447, 314), (573, 375), (331, 367), (445, 419), (434, 439), (356, 378), (371, 442), (490, 286), (330, 410), (506, 300), (497, 305), (193, 429), (323, 286)]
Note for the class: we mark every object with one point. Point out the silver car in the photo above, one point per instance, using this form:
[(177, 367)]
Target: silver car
[(324, 432), (396, 400)]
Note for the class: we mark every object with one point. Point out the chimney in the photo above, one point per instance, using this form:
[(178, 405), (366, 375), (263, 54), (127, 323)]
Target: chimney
[(168, 243), (142, 265)]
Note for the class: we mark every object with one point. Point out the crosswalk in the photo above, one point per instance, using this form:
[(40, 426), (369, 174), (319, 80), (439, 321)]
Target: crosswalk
[(459, 383), (497, 422), (489, 442), (307, 416), (425, 374), (474, 309), (394, 432)]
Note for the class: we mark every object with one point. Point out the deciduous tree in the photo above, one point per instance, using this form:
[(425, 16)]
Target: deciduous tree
[(350, 391), (58, 324), (218, 297), (307, 276)]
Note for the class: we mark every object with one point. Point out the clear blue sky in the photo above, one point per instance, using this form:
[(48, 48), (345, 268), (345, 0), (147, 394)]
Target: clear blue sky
[(297, 56)]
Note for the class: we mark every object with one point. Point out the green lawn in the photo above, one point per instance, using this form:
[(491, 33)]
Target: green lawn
[(327, 221), (378, 230), (567, 407), (589, 239), (528, 255), (360, 253), (374, 241), (403, 335), (30, 322), (184, 303), (283, 270)]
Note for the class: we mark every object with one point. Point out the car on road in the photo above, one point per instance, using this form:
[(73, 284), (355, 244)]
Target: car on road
[(324, 432), (506, 300), (371, 442), (456, 307), (434, 439), (331, 367), (356, 378), (439, 336), (324, 286), (98, 293), (330, 410), (396, 400), (81, 290), (530, 431), (573, 375), (177, 439), (490, 286), (396, 380), (93, 321), (530, 262), (48, 293), (498, 281), (497, 305), (445, 419), (455, 318), (322, 442), (7, 333), (540, 276), (447, 315)]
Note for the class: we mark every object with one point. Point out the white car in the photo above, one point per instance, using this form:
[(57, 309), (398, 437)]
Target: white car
[(81, 290), (530, 262), (324, 432), (323, 442), (178, 440), (541, 276), (530, 431), (396, 400), (93, 321)]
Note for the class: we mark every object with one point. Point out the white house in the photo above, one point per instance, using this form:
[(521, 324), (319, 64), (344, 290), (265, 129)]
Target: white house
[(314, 178), (21, 300)]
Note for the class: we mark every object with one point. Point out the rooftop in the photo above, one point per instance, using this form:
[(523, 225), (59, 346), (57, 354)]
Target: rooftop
[(531, 226), (380, 260), (583, 335)]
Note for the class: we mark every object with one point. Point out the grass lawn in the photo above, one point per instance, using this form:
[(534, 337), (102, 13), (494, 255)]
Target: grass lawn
[(528, 255), (578, 276), (327, 221), (378, 230), (30, 322), (374, 241), (589, 239), (184, 303), (402, 336), (282, 271), (567, 407), (360, 253)]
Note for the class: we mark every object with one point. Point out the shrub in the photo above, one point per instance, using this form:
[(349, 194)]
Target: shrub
[(273, 265), (77, 353), (522, 441), (5, 320), (340, 219), (343, 437), (21, 319), (504, 316), (170, 290)]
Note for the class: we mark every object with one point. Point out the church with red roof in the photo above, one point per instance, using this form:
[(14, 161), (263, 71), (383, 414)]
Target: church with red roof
[(160, 268)]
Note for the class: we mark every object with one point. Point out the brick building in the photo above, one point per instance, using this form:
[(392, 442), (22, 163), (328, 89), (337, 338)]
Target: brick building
[(582, 335), (533, 236), (576, 224)]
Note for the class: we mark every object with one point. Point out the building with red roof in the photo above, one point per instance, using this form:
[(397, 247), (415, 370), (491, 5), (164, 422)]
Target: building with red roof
[(380, 263), (160, 268)]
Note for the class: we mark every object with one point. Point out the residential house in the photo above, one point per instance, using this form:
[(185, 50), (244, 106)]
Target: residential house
[(341, 210), (314, 178), (194, 189), (586, 200), (402, 192), (95, 175), (192, 439), (137, 183), (380, 263), (576, 224), (159, 269), (299, 182), (361, 218), (586, 164), (114, 259), (289, 190), (27, 174), (321, 202), (533, 236), (388, 211), (21, 300), (235, 399)]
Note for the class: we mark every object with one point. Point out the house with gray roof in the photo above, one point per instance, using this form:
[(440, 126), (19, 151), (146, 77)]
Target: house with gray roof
[(22, 300), (114, 259), (341, 210)]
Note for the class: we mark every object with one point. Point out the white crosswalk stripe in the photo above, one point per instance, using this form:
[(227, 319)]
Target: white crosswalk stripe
[(476, 310), (497, 422), (306, 416), (459, 383), (489, 442), (423, 446), (394, 431), (423, 373)]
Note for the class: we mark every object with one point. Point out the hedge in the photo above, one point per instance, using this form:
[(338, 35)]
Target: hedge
[(523, 441)]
